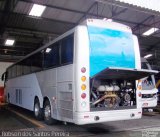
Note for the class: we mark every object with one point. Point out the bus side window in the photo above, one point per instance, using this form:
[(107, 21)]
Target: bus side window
[(37, 62), (51, 57), (67, 50), (6, 75), (9, 73), (19, 69), (27, 65)]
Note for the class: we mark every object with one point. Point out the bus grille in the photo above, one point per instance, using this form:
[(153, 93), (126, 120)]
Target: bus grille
[(148, 95)]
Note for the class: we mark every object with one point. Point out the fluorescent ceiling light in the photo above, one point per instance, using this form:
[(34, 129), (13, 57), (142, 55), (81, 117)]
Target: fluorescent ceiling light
[(147, 56), (9, 42), (150, 31), (37, 10), (48, 50)]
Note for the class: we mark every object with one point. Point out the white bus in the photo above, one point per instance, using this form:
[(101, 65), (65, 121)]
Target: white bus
[(87, 75), (149, 90)]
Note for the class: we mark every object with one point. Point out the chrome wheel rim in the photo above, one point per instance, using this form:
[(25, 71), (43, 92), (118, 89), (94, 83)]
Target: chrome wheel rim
[(47, 112), (36, 109)]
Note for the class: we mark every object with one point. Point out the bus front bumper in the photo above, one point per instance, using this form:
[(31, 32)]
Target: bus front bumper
[(149, 102)]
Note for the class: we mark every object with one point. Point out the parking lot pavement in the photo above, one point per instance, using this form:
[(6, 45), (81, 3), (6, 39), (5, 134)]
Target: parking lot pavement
[(130, 128), (11, 122)]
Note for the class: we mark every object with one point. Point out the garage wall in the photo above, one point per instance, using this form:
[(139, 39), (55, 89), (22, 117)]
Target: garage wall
[(3, 66)]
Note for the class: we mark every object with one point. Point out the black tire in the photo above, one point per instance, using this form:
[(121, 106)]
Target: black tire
[(38, 112), (47, 114)]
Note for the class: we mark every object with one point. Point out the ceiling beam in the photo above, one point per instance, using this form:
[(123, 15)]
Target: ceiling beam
[(4, 18), (86, 13), (23, 39), (151, 47), (52, 6), (14, 53), (119, 12), (32, 31), (8, 7), (81, 12), (17, 47), (142, 22), (38, 18), (10, 58)]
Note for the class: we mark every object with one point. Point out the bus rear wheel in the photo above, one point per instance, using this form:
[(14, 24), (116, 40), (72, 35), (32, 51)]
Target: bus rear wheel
[(38, 113), (47, 114)]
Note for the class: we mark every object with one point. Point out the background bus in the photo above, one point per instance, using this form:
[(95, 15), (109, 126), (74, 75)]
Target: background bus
[(149, 90), (3, 67), (87, 75)]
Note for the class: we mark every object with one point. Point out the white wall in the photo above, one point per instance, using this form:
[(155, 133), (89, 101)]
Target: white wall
[(3, 66)]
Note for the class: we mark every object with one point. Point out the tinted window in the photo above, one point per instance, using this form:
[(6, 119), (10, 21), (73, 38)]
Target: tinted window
[(9, 73), (67, 50), (51, 56), (13, 69), (26, 63), (19, 69), (37, 61)]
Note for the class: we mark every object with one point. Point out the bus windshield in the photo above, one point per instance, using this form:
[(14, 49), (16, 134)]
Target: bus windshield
[(110, 48), (148, 82)]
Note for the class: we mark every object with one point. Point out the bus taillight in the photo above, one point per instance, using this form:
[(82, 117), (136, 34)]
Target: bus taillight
[(83, 95), (83, 104), (83, 78), (83, 70), (83, 87)]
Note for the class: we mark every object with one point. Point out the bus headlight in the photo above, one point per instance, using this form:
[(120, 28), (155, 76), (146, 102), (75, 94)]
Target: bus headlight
[(140, 94)]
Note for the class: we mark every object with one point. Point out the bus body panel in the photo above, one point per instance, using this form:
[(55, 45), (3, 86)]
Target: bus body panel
[(56, 85), (22, 91), (107, 24), (81, 61), (137, 52), (65, 92), (48, 84)]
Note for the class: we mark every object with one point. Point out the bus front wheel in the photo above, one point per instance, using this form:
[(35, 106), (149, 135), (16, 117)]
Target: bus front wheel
[(47, 113), (38, 113)]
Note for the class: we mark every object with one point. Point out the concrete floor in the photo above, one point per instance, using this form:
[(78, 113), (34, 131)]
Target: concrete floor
[(8, 122), (131, 128)]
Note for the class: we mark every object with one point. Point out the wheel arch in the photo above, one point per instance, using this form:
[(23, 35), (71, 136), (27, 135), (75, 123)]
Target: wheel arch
[(46, 99), (40, 102)]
